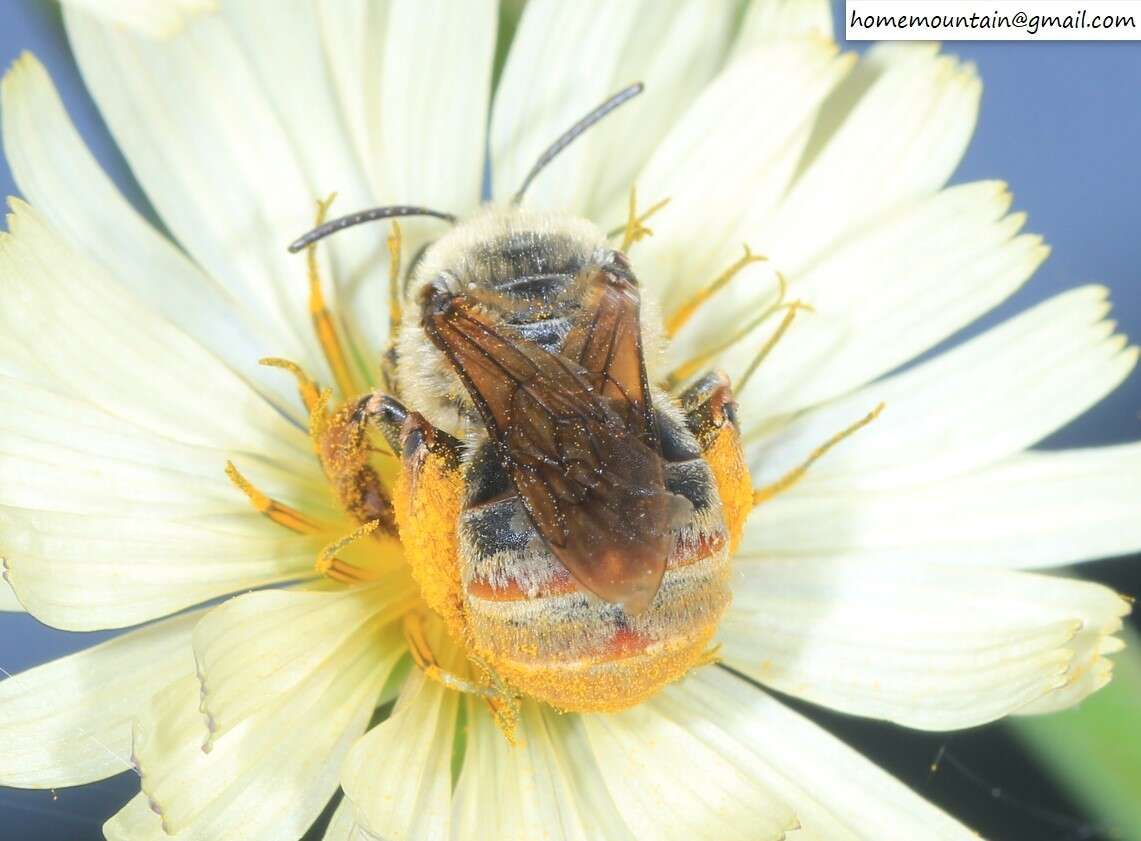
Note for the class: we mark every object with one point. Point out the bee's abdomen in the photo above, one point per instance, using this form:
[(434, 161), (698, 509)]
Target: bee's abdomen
[(555, 640)]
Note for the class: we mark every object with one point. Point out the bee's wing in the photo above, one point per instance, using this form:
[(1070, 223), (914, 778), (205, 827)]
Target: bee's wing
[(592, 486), (606, 341)]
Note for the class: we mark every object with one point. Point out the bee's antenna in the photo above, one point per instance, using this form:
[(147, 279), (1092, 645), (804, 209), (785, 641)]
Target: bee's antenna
[(569, 136), (339, 224)]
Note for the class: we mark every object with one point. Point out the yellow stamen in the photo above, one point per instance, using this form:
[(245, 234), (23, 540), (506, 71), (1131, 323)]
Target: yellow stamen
[(306, 386), (766, 349), (762, 495), (502, 701), (691, 366), (395, 308), (329, 564), (635, 229), (280, 513), (319, 418), (322, 319), (687, 310)]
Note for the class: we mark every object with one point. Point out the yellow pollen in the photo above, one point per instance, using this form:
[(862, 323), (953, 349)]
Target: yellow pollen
[(329, 564), (395, 243), (306, 386), (635, 229), (763, 495), (319, 417), (278, 512)]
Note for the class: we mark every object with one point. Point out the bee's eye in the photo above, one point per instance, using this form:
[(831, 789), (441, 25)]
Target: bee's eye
[(436, 297), (619, 260)]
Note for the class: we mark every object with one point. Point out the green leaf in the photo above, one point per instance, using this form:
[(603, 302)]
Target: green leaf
[(1094, 749)]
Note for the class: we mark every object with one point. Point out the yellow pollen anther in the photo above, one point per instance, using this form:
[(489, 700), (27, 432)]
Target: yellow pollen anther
[(278, 512), (635, 228), (395, 244), (306, 386), (687, 310), (793, 308), (691, 366), (762, 495), (319, 417), (322, 319), (501, 700), (329, 564)]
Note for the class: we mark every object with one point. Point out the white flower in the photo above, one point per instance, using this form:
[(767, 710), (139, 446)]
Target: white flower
[(888, 583)]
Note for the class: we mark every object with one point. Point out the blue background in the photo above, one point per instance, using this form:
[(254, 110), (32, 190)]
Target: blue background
[(1061, 123)]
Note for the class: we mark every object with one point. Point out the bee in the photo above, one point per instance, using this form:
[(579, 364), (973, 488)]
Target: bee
[(569, 520)]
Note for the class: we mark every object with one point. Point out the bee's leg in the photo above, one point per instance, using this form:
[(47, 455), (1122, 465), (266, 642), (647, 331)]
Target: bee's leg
[(361, 467), (428, 497), (711, 415), (504, 703)]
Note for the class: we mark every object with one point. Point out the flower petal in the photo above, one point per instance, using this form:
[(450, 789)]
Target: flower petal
[(853, 171), (931, 647), (271, 774), (1032, 510), (255, 649), (986, 399), (417, 122), (545, 786), (398, 776), (727, 155), (670, 780), (889, 294), (767, 19), (75, 316), (87, 572), (342, 826), (234, 162), (8, 601), (154, 18), (59, 176), (68, 722), (837, 795), (587, 51), (427, 108), (117, 459)]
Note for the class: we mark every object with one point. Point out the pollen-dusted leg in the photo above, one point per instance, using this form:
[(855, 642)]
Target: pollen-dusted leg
[(711, 415), (427, 498)]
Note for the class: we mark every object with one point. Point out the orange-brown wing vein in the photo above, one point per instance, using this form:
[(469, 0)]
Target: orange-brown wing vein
[(607, 342), (592, 487)]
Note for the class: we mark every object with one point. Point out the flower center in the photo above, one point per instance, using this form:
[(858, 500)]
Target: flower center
[(359, 444)]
